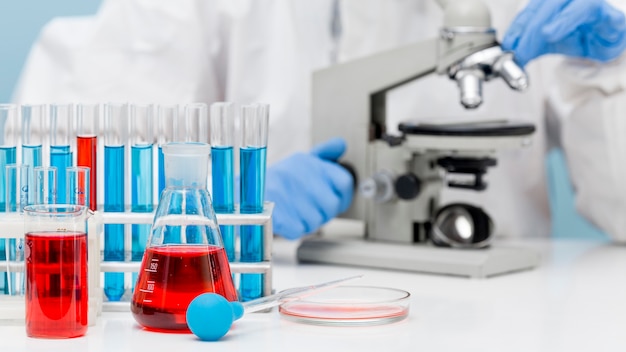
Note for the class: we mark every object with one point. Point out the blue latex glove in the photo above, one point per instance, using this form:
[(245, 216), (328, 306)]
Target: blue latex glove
[(308, 189), (590, 29)]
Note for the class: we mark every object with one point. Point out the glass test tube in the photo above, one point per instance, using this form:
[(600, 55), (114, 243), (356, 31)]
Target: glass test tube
[(167, 131), (10, 124), (17, 178), (87, 127), (61, 120), (197, 126), (252, 156), (46, 185), (77, 187), (142, 186), (115, 140), (196, 123), (222, 134), (8, 150), (34, 119)]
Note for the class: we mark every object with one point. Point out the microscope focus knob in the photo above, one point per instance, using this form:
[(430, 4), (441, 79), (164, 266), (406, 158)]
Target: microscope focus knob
[(380, 187), (408, 186)]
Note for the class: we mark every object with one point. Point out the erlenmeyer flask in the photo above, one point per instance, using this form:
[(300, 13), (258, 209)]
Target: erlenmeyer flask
[(184, 255)]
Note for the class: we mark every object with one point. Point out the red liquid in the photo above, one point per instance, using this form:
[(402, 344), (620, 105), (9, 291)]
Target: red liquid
[(56, 284), (172, 277), (86, 156)]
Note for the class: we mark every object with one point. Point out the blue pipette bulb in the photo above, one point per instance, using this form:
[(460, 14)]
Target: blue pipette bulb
[(209, 316)]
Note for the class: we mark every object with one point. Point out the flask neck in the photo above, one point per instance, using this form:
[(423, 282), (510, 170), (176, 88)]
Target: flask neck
[(187, 170)]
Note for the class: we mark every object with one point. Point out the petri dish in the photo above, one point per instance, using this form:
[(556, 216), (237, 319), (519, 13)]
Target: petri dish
[(349, 306)]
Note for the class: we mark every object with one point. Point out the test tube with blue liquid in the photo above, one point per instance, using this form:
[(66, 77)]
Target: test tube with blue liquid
[(222, 134), (115, 140), (168, 130), (87, 129), (252, 162), (142, 141), (34, 118), (61, 119), (9, 121), (18, 177)]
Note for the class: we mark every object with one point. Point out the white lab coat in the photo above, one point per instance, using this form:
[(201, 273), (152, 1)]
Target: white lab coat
[(264, 50)]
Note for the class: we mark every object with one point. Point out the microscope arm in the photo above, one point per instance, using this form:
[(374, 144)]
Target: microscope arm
[(348, 99)]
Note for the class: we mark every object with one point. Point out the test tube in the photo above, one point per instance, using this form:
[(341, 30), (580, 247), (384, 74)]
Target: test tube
[(8, 154), (171, 129), (45, 191), (77, 187), (8, 150), (252, 156), (168, 130), (61, 119), (18, 179), (87, 127), (222, 134), (196, 123), (197, 126), (115, 140), (142, 187), (34, 119)]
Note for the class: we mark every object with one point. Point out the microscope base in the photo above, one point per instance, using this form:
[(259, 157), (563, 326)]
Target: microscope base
[(425, 258)]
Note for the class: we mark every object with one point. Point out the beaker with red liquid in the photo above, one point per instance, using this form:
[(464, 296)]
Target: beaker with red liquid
[(185, 255), (55, 256)]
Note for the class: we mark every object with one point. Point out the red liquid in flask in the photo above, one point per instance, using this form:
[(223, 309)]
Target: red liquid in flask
[(172, 277), (86, 156), (56, 284)]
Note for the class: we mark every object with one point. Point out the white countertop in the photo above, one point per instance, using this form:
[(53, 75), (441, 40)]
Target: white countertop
[(575, 301)]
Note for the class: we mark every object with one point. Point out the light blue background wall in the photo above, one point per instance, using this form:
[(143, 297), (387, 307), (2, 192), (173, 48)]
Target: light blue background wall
[(20, 22)]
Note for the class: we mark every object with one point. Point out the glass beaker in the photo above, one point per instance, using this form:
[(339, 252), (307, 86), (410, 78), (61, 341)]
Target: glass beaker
[(55, 251), (185, 254)]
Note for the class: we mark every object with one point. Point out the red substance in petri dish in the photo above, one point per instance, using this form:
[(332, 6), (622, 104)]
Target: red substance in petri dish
[(172, 277), (315, 311), (86, 156), (56, 284)]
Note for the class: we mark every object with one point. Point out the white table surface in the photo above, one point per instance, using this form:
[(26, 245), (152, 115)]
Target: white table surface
[(575, 301)]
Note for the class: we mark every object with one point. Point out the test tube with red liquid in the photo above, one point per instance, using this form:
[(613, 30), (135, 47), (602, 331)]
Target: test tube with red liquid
[(87, 127)]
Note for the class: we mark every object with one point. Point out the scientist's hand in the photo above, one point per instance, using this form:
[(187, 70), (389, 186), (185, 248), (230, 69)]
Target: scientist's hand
[(308, 189), (591, 29)]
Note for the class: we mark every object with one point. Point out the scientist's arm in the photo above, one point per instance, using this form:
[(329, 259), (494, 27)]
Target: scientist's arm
[(589, 98), (589, 101), (308, 189), (591, 29)]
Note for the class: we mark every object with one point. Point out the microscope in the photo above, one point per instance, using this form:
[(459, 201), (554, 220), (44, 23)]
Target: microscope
[(400, 177)]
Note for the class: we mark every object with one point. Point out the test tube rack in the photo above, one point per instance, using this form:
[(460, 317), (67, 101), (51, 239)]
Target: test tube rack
[(12, 224)]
